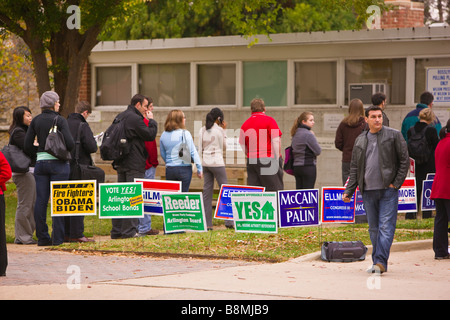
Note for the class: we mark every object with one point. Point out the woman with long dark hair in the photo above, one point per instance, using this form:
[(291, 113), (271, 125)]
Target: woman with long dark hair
[(25, 183), (212, 142)]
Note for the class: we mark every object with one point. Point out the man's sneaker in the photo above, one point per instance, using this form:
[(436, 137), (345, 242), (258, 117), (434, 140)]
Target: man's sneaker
[(376, 268), (442, 258)]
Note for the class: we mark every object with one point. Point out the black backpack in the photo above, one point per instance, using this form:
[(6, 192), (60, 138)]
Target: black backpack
[(115, 145), (418, 148)]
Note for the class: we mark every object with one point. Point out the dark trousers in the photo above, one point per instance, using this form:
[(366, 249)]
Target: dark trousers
[(265, 172), (440, 236), (45, 172), (3, 252), (305, 177), (180, 173), (126, 227)]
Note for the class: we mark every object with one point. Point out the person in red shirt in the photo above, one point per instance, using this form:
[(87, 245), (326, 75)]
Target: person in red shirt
[(440, 193), (5, 175), (260, 138)]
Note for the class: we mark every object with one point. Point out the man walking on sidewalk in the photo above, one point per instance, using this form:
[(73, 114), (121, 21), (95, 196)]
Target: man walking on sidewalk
[(379, 166)]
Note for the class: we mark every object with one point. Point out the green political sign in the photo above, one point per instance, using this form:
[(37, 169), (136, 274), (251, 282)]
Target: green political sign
[(255, 212), (183, 212), (121, 200)]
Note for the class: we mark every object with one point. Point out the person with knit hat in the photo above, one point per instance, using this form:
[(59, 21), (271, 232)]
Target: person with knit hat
[(48, 168)]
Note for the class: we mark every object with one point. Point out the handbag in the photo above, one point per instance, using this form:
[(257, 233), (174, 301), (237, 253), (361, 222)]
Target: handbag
[(343, 251), (288, 165), (184, 152), (79, 171), (17, 159), (55, 143)]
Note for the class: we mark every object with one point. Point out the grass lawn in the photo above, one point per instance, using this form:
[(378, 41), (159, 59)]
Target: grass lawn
[(225, 243)]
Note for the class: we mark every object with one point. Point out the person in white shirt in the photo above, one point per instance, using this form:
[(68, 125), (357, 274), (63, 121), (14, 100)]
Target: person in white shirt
[(212, 142)]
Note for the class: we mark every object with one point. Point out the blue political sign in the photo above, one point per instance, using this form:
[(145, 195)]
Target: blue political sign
[(427, 203), (224, 208), (359, 204), (334, 209), (298, 208)]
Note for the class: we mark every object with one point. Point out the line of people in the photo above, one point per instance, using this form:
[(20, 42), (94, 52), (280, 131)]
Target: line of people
[(260, 138)]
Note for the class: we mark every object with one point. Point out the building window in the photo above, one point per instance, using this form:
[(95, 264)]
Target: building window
[(113, 86), (421, 68), (167, 84), (266, 80), (315, 82), (216, 84), (389, 73)]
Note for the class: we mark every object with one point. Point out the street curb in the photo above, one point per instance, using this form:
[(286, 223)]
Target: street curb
[(396, 247)]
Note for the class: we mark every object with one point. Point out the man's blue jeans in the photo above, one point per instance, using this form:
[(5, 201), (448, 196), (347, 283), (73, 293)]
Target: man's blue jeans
[(381, 209), (44, 172)]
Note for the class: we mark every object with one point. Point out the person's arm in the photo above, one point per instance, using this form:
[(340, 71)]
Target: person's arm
[(403, 159), (5, 171), (194, 153)]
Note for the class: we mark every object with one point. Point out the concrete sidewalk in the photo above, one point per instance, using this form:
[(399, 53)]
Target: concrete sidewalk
[(35, 274)]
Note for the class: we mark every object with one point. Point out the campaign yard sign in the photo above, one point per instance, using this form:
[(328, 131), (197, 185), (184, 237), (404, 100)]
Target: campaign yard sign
[(73, 198), (334, 209), (407, 199), (224, 209), (152, 193), (298, 208), (183, 212), (121, 200), (255, 212), (359, 203), (427, 203)]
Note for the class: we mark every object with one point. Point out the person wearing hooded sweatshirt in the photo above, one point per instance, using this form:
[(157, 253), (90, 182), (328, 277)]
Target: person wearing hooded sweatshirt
[(426, 101), (347, 132), (48, 168)]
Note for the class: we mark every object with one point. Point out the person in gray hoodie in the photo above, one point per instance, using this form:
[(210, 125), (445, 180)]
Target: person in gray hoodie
[(305, 149)]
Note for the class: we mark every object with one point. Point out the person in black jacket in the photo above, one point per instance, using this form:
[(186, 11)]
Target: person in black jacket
[(48, 168), (132, 165), (426, 120), (25, 184), (74, 225)]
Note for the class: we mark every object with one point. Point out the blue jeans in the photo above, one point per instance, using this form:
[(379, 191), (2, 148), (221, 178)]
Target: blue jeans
[(381, 209), (145, 223), (44, 172), (180, 173)]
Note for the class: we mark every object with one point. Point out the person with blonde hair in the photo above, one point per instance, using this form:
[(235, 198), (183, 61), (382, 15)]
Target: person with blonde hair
[(423, 130), (170, 143), (305, 150), (347, 132)]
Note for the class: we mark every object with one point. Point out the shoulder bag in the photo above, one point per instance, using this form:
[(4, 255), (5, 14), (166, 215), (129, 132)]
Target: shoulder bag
[(17, 159), (55, 143)]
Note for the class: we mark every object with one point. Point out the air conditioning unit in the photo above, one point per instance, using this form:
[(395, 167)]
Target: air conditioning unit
[(364, 91)]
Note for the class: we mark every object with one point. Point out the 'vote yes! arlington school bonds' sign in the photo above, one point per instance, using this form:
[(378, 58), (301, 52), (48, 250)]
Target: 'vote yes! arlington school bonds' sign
[(183, 212), (73, 198), (255, 212), (121, 200)]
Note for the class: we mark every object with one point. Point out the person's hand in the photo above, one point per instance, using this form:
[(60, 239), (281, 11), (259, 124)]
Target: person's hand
[(200, 174), (346, 198), (149, 114)]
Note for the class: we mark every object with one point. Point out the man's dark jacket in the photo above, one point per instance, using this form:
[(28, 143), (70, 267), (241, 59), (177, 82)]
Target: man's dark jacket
[(137, 133), (88, 144), (392, 156)]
